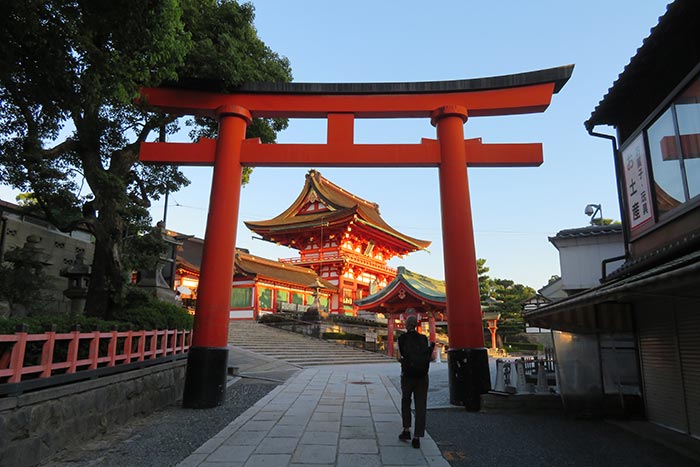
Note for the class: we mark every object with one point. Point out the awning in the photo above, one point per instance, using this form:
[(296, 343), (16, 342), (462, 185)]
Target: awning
[(679, 278)]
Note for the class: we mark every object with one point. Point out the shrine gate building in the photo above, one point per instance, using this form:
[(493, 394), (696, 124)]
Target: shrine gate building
[(341, 237)]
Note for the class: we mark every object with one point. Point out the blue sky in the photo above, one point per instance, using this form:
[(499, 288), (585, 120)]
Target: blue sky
[(514, 209)]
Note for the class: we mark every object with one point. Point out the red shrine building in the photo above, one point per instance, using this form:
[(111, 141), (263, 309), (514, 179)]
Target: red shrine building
[(341, 237), (259, 285), (344, 245)]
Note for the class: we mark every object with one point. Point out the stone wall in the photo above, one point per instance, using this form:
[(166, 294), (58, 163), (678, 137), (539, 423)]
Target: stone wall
[(58, 251), (36, 425)]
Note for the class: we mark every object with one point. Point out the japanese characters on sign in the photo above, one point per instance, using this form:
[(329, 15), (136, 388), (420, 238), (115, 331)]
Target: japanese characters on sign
[(637, 183)]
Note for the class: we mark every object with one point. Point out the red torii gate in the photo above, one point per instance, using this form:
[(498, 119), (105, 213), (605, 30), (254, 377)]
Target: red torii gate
[(447, 103)]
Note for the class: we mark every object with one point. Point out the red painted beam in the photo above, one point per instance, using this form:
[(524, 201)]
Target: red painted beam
[(503, 154), (505, 101), (196, 154), (425, 154)]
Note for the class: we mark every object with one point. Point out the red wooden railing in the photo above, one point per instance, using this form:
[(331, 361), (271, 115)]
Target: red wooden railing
[(161, 343)]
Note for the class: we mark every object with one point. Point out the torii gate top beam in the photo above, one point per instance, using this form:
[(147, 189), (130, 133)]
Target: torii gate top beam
[(501, 95)]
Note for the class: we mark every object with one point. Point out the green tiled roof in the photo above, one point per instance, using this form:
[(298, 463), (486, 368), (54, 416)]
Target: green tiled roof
[(432, 290)]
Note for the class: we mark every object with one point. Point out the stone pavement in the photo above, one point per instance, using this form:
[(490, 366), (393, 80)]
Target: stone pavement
[(348, 415), (345, 415)]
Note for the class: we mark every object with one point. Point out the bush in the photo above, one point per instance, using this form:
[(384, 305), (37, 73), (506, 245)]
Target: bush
[(156, 314), (63, 323), (141, 312), (342, 336)]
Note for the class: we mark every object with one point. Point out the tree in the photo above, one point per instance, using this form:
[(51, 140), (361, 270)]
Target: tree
[(23, 277), (506, 296), (485, 282), (510, 297), (70, 130)]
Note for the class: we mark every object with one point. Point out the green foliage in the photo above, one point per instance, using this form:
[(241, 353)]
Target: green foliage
[(142, 313), (63, 323), (146, 312), (484, 280), (70, 131), (142, 250), (22, 279), (605, 221), (508, 297)]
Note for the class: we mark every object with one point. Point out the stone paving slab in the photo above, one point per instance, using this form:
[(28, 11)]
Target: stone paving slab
[(325, 415)]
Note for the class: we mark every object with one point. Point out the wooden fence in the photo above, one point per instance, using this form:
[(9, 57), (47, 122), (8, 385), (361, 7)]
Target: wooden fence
[(75, 351)]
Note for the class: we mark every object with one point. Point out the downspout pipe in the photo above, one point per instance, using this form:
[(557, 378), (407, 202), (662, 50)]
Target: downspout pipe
[(604, 264), (620, 189)]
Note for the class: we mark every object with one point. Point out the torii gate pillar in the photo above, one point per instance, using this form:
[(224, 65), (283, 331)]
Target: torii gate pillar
[(467, 357), (207, 362)]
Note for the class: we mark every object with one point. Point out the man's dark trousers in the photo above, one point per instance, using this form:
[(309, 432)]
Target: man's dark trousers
[(418, 387)]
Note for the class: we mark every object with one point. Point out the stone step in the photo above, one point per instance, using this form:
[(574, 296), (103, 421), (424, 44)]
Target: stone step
[(297, 349)]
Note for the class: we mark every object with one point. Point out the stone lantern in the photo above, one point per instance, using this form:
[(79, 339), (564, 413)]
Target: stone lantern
[(314, 312), (152, 279), (78, 276)]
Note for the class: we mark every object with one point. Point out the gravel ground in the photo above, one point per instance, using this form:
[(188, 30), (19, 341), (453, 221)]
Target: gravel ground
[(491, 439), (166, 437), (534, 439)]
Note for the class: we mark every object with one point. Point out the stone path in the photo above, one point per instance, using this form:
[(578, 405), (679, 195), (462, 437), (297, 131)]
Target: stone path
[(345, 416)]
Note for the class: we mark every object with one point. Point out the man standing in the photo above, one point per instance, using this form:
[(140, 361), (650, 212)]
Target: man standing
[(414, 355)]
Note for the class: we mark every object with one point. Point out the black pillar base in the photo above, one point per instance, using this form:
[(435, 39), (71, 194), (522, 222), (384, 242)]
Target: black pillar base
[(205, 380), (469, 377)]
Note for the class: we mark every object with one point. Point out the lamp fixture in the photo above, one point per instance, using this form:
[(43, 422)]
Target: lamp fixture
[(593, 209)]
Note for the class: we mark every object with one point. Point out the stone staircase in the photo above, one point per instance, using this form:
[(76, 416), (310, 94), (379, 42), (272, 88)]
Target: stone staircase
[(296, 349)]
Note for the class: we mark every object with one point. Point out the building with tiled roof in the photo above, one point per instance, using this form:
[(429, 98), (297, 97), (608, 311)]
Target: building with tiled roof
[(341, 236), (258, 286), (630, 344), (581, 252), (422, 295), (262, 285), (407, 290)]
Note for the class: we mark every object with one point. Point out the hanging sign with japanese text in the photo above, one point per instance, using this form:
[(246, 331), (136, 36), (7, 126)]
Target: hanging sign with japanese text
[(639, 205)]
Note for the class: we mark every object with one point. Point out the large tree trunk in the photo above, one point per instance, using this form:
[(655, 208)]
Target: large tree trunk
[(107, 280)]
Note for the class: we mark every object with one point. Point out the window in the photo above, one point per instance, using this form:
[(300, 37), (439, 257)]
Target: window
[(668, 181), (265, 298), (674, 147), (688, 113), (323, 302), (298, 298), (282, 296), (241, 297)]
